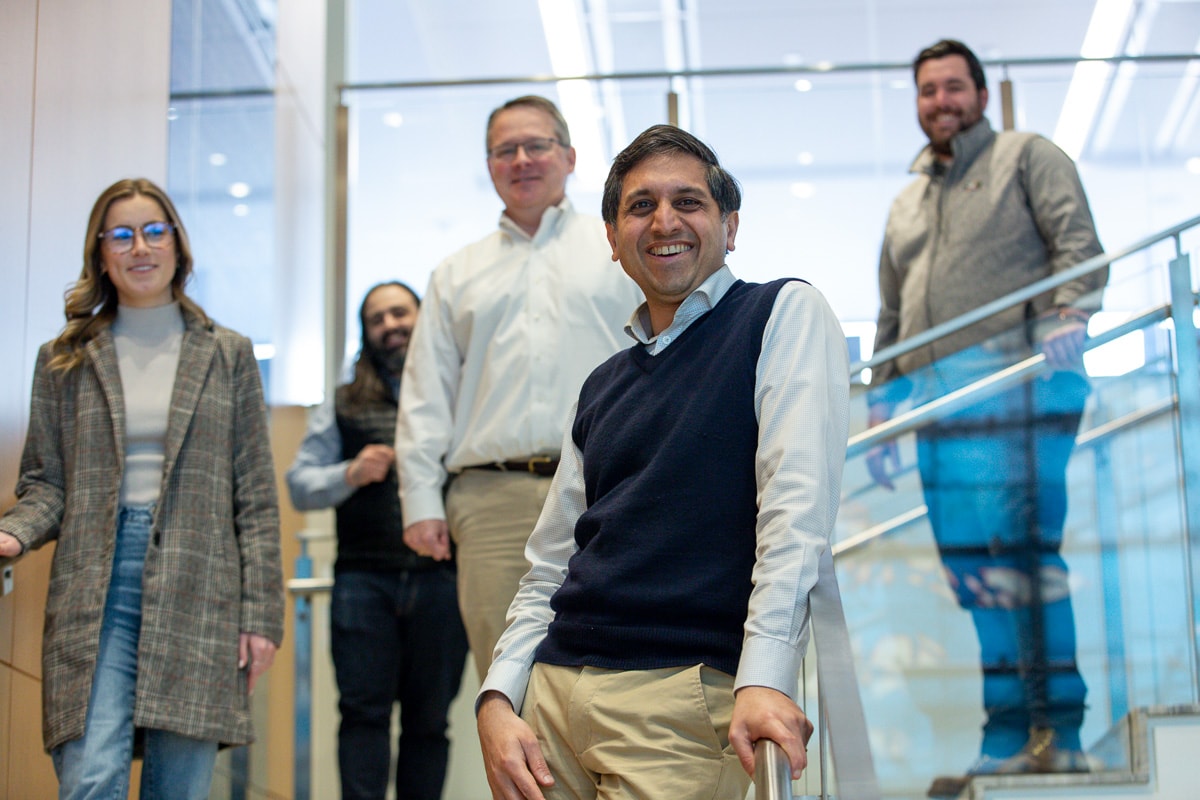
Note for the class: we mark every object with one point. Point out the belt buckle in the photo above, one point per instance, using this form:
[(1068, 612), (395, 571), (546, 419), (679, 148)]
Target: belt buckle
[(537, 460)]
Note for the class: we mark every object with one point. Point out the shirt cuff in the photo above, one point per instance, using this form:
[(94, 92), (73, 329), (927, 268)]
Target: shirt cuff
[(772, 663), (510, 679), (420, 504)]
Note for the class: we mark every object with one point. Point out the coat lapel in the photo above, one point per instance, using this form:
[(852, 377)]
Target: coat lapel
[(104, 360), (195, 355)]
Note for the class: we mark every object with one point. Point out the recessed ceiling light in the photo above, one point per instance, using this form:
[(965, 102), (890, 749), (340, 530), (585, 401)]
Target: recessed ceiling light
[(803, 85), (217, 159), (1193, 165), (393, 119), (803, 190), (805, 158), (239, 189)]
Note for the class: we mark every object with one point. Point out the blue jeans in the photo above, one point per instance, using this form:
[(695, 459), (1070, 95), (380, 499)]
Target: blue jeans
[(96, 766), (994, 479), (396, 636)]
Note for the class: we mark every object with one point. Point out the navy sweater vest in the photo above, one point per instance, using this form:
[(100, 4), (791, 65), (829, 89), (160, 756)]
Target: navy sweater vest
[(667, 543)]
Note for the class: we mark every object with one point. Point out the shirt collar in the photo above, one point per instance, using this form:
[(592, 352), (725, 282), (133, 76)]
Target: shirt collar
[(702, 300), (965, 146), (552, 219)]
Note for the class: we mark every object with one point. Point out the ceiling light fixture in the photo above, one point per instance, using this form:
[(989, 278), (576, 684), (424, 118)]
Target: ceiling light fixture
[(1181, 114), (564, 40), (803, 190), (1110, 115), (1104, 39)]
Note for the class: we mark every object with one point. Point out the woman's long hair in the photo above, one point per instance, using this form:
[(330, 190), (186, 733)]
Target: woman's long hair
[(367, 385), (91, 303)]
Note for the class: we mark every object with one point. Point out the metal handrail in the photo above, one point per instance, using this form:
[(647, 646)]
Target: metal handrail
[(986, 387), (306, 587), (772, 772), (823, 68), (1029, 292)]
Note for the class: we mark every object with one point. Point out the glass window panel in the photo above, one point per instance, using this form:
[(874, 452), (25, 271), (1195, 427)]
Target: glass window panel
[(221, 158)]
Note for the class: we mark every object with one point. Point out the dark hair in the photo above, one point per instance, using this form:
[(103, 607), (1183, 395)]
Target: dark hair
[(367, 384), (952, 47), (664, 139), (536, 102), (91, 302)]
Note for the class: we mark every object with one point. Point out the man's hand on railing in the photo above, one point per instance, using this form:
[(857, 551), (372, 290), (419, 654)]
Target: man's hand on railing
[(1063, 345), (516, 769), (762, 713), (883, 460)]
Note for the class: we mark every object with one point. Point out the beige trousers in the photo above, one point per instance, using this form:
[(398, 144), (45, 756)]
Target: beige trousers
[(491, 515), (644, 734)]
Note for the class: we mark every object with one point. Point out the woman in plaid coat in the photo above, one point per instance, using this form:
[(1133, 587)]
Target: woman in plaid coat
[(147, 461)]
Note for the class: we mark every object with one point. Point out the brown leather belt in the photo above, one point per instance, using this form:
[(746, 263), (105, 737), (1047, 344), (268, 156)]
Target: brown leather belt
[(543, 466)]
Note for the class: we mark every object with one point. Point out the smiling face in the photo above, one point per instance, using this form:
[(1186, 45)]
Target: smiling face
[(142, 276), (947, 101), (669, 235), (528, 186), (388, 315)]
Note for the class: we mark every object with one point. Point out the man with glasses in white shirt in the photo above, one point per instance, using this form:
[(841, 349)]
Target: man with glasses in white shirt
[(510, 327)]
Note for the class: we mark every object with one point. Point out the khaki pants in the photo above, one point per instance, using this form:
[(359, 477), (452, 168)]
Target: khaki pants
[(491, 515), (645, 734)]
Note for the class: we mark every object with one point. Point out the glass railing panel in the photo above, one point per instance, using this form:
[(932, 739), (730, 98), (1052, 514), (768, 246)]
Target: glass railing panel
[(917, 650)]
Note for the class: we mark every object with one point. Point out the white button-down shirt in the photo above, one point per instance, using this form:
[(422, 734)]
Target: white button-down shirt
[(509, 329)]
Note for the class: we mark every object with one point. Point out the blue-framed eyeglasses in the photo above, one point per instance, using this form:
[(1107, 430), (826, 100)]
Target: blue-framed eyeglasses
[(154, 234)]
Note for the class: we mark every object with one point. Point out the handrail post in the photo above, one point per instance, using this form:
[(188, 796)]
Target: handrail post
[(1108, 537), (1187, 383), (772, 772), (302, 766)]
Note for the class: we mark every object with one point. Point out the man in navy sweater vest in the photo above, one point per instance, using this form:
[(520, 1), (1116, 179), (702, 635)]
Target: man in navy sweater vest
[(660, 630)]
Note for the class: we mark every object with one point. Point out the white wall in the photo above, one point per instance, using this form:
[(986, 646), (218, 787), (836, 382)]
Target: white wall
[(306, 79), (80, 109), (83, 100)]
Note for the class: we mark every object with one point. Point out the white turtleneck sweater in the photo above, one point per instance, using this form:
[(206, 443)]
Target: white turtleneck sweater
[(147, 341)]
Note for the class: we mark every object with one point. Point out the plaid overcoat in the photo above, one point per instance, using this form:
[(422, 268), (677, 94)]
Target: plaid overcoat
[(213, 564)]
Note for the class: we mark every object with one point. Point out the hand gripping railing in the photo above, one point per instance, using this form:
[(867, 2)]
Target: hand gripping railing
[(772, 773), (842, 723)]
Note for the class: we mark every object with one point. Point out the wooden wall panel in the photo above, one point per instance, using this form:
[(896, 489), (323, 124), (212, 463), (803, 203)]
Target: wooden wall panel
[(30, 771)]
